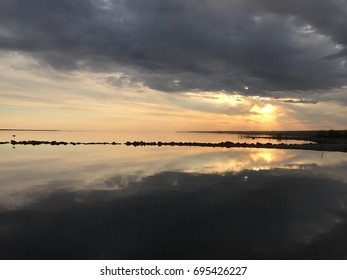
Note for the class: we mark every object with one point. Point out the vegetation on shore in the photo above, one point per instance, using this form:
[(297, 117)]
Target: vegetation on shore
[(318, 136)]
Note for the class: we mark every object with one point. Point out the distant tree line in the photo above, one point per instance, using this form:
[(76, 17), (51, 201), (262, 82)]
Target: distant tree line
[(332, 133)]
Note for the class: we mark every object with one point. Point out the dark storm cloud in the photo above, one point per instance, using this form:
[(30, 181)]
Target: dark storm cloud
[(178, 45), (329, 17), (300, 101)]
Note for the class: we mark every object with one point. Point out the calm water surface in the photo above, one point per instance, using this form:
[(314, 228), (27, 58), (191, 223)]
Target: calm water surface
[(119, 202)]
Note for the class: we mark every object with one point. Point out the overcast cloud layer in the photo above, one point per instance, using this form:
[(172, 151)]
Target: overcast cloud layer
[(269, 46)]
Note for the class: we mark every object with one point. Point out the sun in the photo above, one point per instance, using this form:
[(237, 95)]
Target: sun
[(264, 114), (268, 109)]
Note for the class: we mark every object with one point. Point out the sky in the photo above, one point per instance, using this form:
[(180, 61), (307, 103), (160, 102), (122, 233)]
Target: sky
[(173, 64)]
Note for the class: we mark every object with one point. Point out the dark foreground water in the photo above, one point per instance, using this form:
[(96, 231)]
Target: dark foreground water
[(118, 202)]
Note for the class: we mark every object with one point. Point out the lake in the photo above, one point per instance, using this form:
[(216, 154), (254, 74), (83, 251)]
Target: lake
[(120, 202)]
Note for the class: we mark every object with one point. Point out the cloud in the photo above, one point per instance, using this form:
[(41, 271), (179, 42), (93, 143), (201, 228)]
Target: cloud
[(176, 46), (299, 101)]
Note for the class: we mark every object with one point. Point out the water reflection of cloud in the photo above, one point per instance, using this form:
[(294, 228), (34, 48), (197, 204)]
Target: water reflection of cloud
[(23, 172), (179, 215), (237, 160)]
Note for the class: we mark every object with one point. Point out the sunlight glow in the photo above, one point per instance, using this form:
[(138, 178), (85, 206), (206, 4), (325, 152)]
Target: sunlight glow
[(264, 157), (232, 100), (265, 110)]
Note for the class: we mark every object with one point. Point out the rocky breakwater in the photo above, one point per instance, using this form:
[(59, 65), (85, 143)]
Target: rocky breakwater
[(228, 144), (337, 147), (57, 143)]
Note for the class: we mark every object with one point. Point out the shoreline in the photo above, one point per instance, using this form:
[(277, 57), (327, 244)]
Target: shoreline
[(317, 136), (330, 147)]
